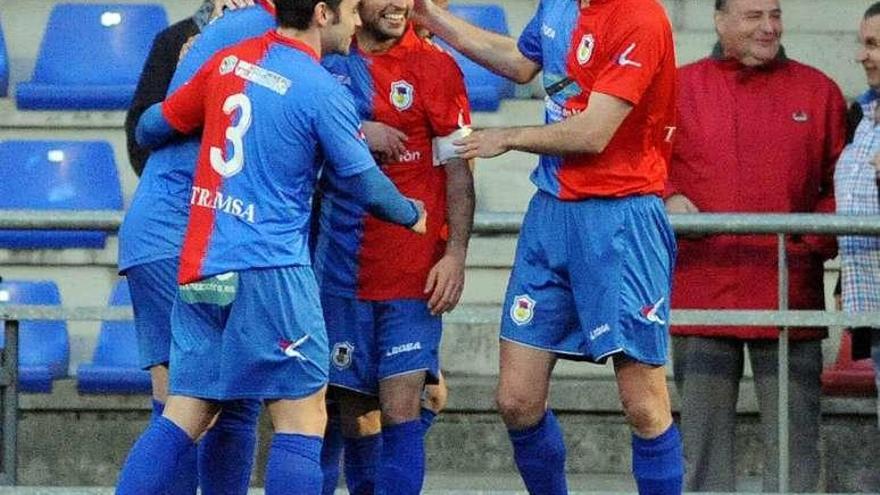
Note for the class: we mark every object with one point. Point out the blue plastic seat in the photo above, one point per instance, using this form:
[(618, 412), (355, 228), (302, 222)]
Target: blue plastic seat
[(43, 345), (114, 368), (57, 175), (4, 67), (485, 88), (91, 56)]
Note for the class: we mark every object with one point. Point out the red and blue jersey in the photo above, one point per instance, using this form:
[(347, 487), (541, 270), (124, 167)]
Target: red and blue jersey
[(416, 88), (156, 219), (270, 115), (622, 48)]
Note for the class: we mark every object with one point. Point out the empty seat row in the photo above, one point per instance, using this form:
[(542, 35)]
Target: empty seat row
[(119, 37), (44, 346), (57, 175)]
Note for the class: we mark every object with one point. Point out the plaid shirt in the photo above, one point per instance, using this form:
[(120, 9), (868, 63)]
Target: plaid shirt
[(855, 185)]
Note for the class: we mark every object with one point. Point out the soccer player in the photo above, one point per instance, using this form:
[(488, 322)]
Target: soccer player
[(149, 246), (591, 278), (384, 289), (246, 321)]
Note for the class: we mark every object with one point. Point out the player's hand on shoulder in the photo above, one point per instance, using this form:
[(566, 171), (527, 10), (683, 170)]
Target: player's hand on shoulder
[(388, 143), (421, 226), (446, 282)]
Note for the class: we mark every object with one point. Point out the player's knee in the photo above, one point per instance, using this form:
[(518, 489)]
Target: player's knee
[(400, 409), (646, 417), (519, 411)]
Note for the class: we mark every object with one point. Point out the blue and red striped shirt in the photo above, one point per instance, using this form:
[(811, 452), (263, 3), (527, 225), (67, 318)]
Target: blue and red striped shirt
[(270, 115), (622, 48)]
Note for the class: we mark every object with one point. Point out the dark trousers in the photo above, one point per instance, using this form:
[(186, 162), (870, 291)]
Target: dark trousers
[(707, 375)]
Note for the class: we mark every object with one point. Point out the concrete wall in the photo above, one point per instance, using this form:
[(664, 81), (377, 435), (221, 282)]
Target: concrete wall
[(66, 439)]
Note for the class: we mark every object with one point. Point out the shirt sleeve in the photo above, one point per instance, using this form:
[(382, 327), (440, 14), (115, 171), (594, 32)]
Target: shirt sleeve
[(340, 136), (635, 54), (448, 108), (529, 43), (184, 109)]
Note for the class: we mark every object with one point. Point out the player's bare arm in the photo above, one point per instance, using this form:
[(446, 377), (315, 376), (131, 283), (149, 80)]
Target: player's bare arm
[(496, 52), (445, 281), (587, 132)]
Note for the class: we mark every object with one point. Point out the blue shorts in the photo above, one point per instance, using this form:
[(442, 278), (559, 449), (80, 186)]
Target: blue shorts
[(254, 334), (374, 340), (153, 289), (592, 278)]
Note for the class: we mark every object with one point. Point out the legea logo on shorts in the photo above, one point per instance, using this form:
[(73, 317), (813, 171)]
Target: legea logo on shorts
[(522, 310), (341, 355), (408, 347)]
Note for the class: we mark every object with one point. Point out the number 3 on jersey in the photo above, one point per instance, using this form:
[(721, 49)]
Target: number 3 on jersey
[(234, 134)]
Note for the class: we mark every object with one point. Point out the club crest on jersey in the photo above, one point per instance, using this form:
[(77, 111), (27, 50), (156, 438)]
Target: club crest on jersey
[(522, 310), (585, 49), (401, 95), (228, 64), (341, 355)]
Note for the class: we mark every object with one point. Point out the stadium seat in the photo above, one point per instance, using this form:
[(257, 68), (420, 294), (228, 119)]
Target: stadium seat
[(4, 67), (114, 368), (43, 345), (57, 175), (91, 56), (485, 88), (847, 377)]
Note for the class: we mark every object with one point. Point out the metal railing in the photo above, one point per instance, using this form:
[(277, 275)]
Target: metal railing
[(484, 224)]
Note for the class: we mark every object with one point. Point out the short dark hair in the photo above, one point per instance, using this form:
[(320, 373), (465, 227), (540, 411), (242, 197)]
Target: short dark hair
[(873, 10), (720, 4), (297, 14)]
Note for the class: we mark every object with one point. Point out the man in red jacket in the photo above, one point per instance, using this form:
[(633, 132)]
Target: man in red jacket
[(757, 133)]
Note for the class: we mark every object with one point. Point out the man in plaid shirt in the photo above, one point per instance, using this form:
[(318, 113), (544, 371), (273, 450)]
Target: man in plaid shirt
[(856, 181)]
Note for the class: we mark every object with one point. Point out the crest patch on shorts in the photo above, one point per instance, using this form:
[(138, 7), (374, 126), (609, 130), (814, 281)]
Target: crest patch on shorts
[(522, 310), (341, 355)]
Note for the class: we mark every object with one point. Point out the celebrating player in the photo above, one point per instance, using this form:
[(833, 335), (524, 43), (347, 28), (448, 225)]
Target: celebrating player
[(591, 279), (384, 288), (247, 321)]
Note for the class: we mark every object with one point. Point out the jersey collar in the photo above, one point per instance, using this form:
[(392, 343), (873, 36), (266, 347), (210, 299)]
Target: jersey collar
[(293, 43), (407, 41)]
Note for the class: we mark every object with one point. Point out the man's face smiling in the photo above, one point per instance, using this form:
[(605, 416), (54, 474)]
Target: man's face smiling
[(385, 19)]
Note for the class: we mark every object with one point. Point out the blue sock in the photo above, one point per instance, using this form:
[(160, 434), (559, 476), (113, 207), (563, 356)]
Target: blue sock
[(226, 453), (331, 455), (428, 416), (539, 452), (361, 457), (152, 463), (658, 463), (294, 465), (402, 465), (187, 480)]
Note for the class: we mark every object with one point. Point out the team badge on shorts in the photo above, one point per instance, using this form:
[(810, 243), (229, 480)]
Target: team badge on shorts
[(401, 95), (585, 49), (228, 64), (341, 355), (522, 310)]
